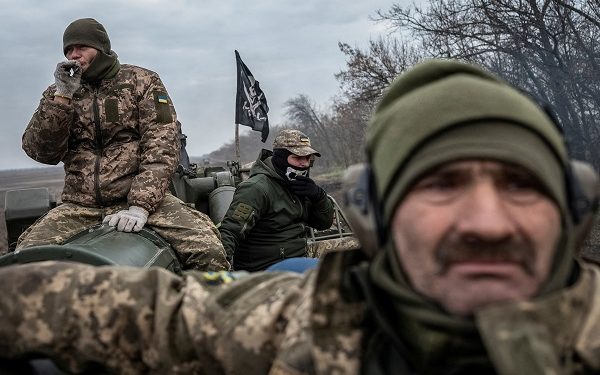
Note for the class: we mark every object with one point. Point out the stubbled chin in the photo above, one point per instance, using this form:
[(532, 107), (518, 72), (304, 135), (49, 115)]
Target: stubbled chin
[(468, 287)]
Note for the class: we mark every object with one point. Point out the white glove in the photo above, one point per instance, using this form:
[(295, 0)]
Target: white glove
[(129, 220)]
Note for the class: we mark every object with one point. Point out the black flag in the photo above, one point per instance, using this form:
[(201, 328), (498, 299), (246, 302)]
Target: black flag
[(250, 103)]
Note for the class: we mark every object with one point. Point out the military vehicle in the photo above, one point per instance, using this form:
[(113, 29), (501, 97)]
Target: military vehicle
[(209, 189)]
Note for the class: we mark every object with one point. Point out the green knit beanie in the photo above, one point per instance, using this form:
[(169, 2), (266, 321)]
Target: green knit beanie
[(87, 32), (443, 111)]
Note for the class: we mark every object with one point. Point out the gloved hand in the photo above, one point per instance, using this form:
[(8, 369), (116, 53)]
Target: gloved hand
[(66, 85), (305, 187), (129, 220)]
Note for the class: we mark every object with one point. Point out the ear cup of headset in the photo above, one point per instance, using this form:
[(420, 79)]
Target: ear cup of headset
[(589, 183), (586, 198), (360, 207), (582, 190), (580, 178)]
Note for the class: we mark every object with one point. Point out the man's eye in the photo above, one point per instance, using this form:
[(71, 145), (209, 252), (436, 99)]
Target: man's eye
[(439, 189), (522, 189), (442, 181), (517, 185), (518, 181)]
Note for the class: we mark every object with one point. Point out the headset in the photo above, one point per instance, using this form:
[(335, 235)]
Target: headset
[(581, 199), (363, 208)]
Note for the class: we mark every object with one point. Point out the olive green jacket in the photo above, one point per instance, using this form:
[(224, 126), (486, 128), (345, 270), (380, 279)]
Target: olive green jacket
[(266, 222), (135, 321)]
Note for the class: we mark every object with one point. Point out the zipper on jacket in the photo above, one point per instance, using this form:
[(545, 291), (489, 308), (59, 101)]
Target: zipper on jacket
[(99, 148), (295, 199), (301, 208), (301, 217)]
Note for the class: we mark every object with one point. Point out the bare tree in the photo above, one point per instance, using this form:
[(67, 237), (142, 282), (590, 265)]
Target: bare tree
[(369, 72), (362, 83), (549, 48), (304, 115), (349, 123)]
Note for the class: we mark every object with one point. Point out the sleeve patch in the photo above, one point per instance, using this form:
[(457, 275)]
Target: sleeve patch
[(242, 212), (162, 103)]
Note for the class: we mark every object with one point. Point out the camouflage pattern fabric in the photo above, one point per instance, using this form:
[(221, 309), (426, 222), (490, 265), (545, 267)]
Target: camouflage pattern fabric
[(317, 249), (117, 141), (59, 224), (192, 234), (145, 322), (556, 335), (295, 142), (136, 321)]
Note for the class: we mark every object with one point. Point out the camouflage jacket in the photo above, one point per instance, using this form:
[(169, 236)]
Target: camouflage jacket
[(136, 321), (266, 222), (118, 140)]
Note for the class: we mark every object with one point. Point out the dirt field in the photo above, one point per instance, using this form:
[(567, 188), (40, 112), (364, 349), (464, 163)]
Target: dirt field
[(50, 177)]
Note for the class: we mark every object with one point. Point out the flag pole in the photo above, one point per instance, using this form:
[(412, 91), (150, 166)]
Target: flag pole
[(237, 144)]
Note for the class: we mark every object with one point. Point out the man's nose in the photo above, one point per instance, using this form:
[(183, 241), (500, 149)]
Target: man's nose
[(303, 162), (74, 54), (485, 213)]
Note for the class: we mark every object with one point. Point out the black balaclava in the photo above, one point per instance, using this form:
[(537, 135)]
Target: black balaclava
[(283, 168), (288, 142)]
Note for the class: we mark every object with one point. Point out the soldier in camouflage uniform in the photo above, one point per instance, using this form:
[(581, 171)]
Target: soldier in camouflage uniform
[(115, 129), (488, 176), (267, 219)]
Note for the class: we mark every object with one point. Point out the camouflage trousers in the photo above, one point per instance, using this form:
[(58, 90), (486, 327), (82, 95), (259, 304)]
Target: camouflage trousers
[(192, 234)]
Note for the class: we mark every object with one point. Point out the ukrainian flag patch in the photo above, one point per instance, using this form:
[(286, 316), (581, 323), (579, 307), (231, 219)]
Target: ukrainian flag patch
[(163, 108)]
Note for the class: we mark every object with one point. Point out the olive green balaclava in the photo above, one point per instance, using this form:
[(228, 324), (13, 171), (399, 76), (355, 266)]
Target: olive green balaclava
[(442, 111), (89, 32)]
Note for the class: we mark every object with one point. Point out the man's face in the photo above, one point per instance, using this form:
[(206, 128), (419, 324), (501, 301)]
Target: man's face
[(472, 233), (300, 162), (84, 55)]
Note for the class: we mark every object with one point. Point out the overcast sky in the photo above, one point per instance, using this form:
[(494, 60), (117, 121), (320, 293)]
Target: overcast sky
[(290, 47)]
